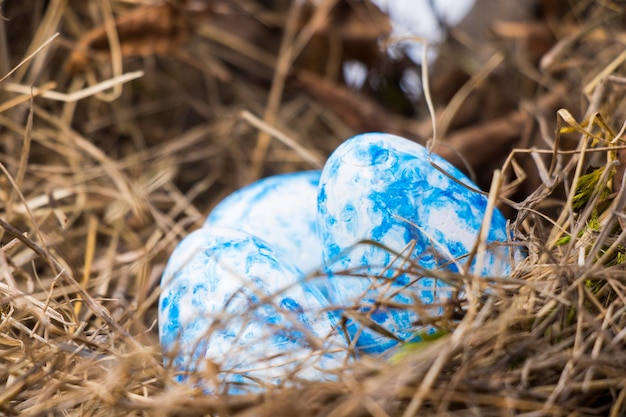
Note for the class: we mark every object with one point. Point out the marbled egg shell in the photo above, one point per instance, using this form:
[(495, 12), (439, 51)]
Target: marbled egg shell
[(282, 210), (229, 300), (384, 188)]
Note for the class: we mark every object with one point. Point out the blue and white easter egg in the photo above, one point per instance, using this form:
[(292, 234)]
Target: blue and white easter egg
[(281, 210), (235, 315), (389, 190)]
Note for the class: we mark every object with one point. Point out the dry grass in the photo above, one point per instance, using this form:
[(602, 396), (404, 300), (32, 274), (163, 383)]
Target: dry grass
[(99, 184)]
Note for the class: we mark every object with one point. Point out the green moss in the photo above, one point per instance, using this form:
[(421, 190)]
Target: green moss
[(587, 184), (424, 339)]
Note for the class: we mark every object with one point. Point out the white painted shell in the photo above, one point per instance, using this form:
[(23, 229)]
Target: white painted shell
[(386, 189), (229, 299), (281, 210)]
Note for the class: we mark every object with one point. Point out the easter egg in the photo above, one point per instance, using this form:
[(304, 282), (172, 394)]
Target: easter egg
[(236, 317), (282, 210), (388, 190)]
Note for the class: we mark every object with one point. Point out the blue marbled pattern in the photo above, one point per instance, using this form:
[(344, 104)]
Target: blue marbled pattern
[(230, 298), (383, 188), (281, 210)]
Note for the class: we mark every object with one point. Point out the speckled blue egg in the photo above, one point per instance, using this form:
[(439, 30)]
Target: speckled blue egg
[(385, 189), (236, 317), (282, 210)]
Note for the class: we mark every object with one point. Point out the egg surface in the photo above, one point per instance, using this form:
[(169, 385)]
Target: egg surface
[(236, 315), (282, 210), (386, 189)]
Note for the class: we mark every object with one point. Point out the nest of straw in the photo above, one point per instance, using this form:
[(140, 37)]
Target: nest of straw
[(123, 124)]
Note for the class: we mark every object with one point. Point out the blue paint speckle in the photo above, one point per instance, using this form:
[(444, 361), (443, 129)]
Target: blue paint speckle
[(291, 305)]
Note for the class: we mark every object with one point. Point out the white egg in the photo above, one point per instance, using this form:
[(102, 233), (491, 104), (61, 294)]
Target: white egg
[(235, 315), (386, 189), (414, 22), (282, 210)]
